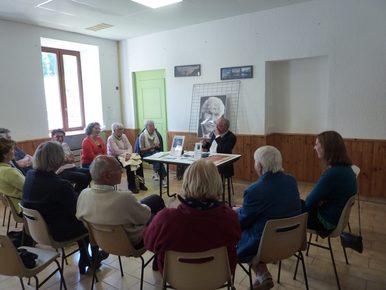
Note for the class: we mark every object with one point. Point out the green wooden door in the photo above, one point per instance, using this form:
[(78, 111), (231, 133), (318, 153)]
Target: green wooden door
[(150, 96)]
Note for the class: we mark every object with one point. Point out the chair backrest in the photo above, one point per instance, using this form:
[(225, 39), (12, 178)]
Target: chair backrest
[(282, 238), (344, 217), (10, 261), (14, 212), (199, 270), (37, 227), (111, 238)]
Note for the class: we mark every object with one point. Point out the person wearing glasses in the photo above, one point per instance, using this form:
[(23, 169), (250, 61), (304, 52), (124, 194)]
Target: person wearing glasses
[(92, 145)]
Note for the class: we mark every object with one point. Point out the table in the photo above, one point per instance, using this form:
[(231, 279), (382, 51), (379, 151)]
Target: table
[(219, 159)]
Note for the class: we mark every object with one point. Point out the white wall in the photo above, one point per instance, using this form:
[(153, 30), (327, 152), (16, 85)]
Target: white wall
[(23, 108), (296, 95), (350, 33)]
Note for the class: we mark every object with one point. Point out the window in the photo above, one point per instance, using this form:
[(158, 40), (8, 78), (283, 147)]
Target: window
[(63, 88)]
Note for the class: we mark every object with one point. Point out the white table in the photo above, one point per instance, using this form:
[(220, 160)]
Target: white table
[(219, 159)]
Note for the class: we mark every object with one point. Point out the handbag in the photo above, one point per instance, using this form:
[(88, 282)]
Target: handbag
[(350, 240), (28, 258)]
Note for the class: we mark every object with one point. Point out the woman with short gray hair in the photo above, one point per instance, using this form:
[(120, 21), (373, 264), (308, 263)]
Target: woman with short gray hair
[(274, 195), (55, 198)]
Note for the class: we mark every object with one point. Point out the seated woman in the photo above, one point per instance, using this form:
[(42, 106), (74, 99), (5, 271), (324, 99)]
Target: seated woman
[(55, 198), (11, 179), (200, 222), (275, 195), (150, 143), (119, 146), (92, 145), (337, 184)]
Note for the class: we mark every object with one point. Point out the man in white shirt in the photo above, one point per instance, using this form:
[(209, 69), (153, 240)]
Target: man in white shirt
[(102, 204), (221, 141), (69, 171)]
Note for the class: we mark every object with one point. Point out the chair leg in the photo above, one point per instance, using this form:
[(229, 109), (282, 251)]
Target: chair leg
[(9, 221), (308, 244), (333, 263), (248, 272), (304, 269), (22, 284), (36, 282), (345, 254), (278, 274), (120, 265), (142, 270), (4, 215)]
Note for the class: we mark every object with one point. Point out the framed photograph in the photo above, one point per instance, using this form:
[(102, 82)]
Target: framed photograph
[(237, 72), (211, 109), (192, 70), (177, 146)]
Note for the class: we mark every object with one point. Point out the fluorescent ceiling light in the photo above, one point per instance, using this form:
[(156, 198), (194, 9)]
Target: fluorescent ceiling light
[(156, 3)]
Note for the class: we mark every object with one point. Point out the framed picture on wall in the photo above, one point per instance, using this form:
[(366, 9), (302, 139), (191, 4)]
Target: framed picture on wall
[(192, 70), (237, 72)]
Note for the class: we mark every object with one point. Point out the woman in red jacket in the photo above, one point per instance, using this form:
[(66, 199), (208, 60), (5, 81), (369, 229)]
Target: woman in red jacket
[(200, 223), (92, 145)]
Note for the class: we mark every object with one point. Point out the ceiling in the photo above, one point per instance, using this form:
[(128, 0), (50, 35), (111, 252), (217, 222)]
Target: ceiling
[(127, 19)]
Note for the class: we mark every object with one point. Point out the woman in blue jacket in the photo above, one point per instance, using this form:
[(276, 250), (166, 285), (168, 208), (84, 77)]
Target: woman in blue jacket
[(275, 195), (337, 184)]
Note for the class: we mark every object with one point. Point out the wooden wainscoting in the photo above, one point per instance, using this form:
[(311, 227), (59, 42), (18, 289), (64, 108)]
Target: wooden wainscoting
[(299, 158)]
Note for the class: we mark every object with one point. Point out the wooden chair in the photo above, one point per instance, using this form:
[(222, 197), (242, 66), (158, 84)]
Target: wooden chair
[(205, 270), (12, 265), (281, 239), (114, 240), (38, 230), (343, 221)]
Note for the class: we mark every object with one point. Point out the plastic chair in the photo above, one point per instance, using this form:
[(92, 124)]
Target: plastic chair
[(281, 239), (114, 240), (18, 218), (205, 270), (12, 265), (343, 221), (38, 230)]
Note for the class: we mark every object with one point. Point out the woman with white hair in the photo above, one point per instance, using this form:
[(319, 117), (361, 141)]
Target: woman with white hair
[(150, 142), (200, 223), (118, 145), (275, 195)]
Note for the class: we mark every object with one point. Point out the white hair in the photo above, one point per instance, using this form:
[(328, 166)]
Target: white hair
[(100, 165), (116, 125), (148, 122), (269, 158)]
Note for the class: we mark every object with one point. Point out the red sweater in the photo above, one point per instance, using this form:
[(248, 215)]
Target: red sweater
[(186, 229), (90, 149)]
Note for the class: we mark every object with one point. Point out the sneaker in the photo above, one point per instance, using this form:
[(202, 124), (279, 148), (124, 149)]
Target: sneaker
[(155, 177)]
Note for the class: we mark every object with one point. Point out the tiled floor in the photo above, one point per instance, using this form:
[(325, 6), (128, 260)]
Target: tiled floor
[(367, 271)]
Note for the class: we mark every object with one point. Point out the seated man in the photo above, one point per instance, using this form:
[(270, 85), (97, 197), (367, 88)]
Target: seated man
[(119, 146), (69, 171), (275, 195), (150, 143), (221, 141), (22, 161), (102, 204)]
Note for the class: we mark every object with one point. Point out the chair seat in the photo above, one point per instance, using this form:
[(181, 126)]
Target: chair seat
[(44, 257)]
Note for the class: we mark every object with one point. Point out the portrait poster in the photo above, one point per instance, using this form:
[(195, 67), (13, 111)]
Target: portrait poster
[(211, 109)]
